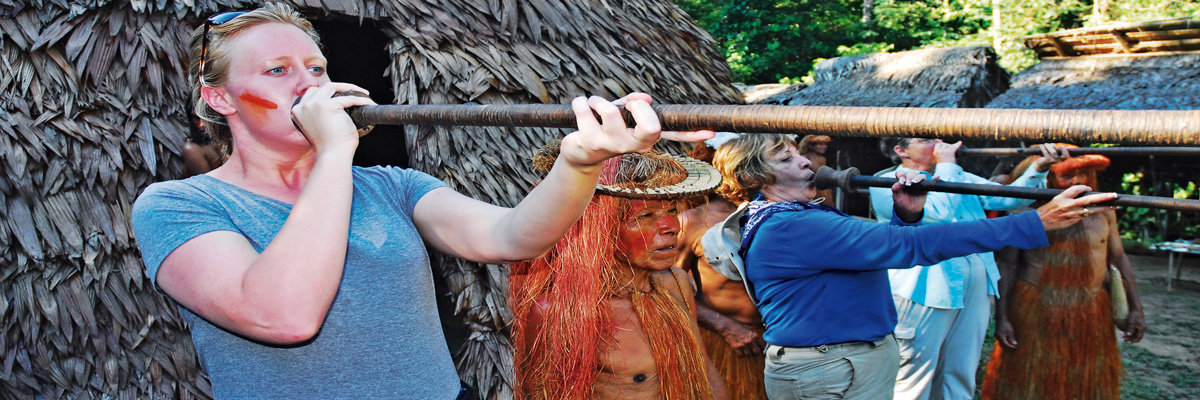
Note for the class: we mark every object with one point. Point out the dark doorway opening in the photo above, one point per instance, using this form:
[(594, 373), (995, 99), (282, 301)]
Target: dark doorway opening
[(358, 54)]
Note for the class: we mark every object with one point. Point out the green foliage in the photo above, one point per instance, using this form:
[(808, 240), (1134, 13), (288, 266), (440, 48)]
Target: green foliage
[(1146, 10), (1023, 18), (706, 13), (912, 24), (842, 51), (778, 40), (1151, 226), (864, 48), (946, 23), (775, 40)]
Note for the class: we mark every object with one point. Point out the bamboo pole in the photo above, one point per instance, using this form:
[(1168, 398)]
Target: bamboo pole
[(1104, 151), (849, 180), (1139, 127)]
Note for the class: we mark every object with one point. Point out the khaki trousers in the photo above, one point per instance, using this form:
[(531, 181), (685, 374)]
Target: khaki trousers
[(855, 370)]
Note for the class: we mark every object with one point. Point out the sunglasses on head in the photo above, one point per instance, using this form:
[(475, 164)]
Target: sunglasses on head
[(209, 23)]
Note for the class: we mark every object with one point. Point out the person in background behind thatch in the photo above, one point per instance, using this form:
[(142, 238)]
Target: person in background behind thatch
[(199, 155), (813, 147), (604, 315), (943, 308), (730, 324), (305, 277), (1054, 304)]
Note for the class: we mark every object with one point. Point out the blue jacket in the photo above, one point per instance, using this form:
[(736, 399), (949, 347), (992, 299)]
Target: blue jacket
[(819, 276)]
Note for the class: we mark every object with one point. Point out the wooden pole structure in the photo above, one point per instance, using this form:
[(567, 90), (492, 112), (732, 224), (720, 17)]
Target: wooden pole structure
[(1140, 127), (1104, 151), (849, 179)]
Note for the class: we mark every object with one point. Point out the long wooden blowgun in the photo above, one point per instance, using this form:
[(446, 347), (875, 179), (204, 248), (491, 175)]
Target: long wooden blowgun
[(849, 179), (1143, 127)]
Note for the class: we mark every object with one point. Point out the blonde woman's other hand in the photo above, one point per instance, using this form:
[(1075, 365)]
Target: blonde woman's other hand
[(1065, 209)]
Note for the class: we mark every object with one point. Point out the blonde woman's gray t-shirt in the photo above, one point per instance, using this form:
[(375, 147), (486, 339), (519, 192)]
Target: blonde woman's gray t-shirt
[(382, 336)]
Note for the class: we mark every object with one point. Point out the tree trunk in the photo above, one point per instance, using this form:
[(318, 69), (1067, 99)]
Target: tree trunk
[(868, 12), (996, 26), (1100, 12)]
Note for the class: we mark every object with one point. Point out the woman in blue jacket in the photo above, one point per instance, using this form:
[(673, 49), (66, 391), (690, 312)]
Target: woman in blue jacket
[(819, 275)]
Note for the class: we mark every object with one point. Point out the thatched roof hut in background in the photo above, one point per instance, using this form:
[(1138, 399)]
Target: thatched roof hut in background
[(93, 108), (755, 94), (957, 77), (1147, 66)]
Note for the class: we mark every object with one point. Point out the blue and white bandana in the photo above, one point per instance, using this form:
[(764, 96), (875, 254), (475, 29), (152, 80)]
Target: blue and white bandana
[(759, 210)]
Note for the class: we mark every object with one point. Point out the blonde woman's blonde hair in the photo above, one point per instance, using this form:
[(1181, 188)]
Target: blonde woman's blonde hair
[(743, 164), (216, 64)]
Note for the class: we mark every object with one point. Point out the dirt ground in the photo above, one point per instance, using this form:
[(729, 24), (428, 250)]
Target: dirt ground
[(1166, 363)]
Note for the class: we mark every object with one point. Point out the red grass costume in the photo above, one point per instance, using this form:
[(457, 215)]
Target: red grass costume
[(1067, 347), (743, 375), (572, 285)]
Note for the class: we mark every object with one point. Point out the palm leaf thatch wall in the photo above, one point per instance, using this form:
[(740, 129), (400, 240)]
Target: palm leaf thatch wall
[(956, 77), (94, 108)]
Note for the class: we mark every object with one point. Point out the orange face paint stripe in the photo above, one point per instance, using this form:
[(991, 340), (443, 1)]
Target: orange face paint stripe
[(258, 101)]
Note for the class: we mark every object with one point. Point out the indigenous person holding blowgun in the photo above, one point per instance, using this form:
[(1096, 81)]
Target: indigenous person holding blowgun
[(1054, 318)]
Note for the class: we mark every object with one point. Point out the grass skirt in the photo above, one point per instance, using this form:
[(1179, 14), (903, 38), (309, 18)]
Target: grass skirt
[(1066, 347), (743, 376)]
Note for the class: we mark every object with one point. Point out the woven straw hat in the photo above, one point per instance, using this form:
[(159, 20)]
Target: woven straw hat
[(701, 179)]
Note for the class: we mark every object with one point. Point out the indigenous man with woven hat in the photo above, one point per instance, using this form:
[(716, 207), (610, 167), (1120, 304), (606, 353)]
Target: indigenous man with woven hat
[(730, 325), (603, 314), (1054, 319)]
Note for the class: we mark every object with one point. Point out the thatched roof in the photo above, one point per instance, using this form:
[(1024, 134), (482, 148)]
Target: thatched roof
[(1149, 82), (949, 77), (761, 94), (1171, 35), (1128, 66), (93, 108)]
